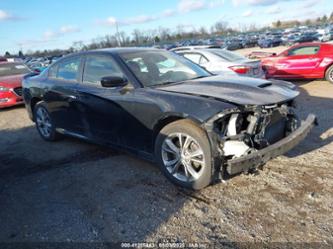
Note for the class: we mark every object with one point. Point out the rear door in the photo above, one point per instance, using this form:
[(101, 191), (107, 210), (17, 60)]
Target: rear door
[(299, 62), (61, 95)]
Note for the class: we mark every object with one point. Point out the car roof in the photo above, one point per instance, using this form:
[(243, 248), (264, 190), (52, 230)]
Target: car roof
[(10, 62), (124, 50), (117, 50), (190, 48), (310, 44)]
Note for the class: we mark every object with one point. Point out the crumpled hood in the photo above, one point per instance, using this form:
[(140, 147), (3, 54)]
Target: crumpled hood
[(237, 90)]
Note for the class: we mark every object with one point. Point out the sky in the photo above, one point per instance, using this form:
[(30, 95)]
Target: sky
[(43, 24)]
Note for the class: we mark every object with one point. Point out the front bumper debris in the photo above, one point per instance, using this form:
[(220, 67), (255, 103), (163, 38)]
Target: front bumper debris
[(258, 158)]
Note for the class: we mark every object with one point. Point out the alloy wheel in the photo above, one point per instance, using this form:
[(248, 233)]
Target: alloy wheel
[(43, 122), (330, 75), (183, 157)]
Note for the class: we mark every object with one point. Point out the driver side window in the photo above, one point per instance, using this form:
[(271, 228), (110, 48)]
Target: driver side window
[(99, 66)]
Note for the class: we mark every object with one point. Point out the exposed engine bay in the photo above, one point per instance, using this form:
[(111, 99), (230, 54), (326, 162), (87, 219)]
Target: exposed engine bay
[(254, 128)]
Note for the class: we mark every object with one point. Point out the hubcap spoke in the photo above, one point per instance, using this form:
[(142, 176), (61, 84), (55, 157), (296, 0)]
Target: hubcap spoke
[(199, 161), (186, 171), (192, 171), (39, 121), (171, 163), (175, 168), (172, 147), (186, 143), (48, 125), (180, 140), (196, 153)]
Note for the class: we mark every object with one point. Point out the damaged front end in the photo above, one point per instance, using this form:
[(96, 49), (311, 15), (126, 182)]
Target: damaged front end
[(247, 137)]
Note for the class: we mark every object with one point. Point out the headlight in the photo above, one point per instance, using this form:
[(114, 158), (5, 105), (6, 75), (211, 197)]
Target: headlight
[(4, 89)]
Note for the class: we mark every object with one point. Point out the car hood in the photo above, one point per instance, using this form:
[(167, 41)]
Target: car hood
[(11, 81), (237, 90)]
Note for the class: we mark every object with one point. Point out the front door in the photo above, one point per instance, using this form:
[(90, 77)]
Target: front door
[(300, 62)]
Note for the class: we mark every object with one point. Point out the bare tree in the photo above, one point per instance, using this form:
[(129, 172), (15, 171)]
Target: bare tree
[(137, 36), (77, 46), (221, 27), (164, 33)]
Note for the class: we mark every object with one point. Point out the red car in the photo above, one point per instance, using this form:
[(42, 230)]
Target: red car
[(302, 61), (11, 75)]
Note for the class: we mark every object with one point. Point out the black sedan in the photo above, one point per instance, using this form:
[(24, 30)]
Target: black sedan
[(162, 107)]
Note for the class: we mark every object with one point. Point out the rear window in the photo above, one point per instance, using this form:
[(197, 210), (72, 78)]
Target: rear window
[(69, 69), (7, 69), (227, 55)]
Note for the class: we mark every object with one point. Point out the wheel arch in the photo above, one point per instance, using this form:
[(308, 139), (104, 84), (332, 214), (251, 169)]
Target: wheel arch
[(170, 118), (328, 67), (33, 103)]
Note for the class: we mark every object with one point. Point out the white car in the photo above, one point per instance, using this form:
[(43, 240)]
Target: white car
[(221, 61)]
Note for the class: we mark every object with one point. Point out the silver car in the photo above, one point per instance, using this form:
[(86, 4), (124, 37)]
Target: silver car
[(221, 61)]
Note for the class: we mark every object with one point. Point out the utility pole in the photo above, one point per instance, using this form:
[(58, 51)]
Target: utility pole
[(117, 34)]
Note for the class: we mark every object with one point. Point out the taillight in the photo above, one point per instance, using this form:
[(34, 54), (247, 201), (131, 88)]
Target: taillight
[(240, 69)]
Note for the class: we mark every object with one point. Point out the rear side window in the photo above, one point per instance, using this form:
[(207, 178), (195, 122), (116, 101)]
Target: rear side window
[(228, 55), (309, 50), (196, 58), (69, 69), (99, 66)]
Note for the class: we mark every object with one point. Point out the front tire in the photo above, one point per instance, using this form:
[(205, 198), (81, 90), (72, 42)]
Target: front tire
[(329, 74), (183, 152), (44, 123)]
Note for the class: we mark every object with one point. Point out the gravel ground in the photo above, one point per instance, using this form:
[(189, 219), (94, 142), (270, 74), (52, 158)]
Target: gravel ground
[(75, 191)]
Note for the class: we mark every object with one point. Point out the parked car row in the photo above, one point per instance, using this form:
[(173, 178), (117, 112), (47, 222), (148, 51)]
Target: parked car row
[(39, 64), (263, 39)]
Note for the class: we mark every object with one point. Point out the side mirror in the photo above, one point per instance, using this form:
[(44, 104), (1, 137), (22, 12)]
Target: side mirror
[(274, 54), (113, 81)]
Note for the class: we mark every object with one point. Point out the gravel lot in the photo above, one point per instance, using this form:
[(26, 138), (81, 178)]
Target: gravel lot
[(74, 191)]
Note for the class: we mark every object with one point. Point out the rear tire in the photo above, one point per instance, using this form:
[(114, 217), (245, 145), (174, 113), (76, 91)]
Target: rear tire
[(329, 74), (183, 152), (44, 123)]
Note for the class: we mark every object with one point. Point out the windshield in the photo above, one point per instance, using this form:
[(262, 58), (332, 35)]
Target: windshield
[(227, 55), (160, 67), (8, 69)]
